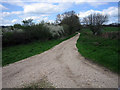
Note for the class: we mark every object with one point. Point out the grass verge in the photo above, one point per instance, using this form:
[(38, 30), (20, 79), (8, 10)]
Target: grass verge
[(16, 53), (40, 84), (101, 50)]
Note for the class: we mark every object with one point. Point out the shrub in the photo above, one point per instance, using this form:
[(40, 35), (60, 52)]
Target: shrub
[(111, 35), (13, 37), (37, 32), (56, 31), (25, 35)]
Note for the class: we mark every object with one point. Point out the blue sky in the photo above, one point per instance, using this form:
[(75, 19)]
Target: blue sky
[(15, 11)]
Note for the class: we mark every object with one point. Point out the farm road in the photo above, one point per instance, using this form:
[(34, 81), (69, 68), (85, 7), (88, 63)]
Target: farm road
[(63, 66)]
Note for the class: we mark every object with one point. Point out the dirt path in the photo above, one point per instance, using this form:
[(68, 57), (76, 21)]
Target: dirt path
[(63, 66)]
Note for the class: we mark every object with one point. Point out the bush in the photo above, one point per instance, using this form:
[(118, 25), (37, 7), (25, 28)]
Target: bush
[(111, 35), (37, 32), (25, 35), (13, 38), (56, 31)]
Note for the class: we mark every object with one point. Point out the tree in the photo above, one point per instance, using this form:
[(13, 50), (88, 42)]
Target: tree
[(42, 22), (58, 19), (95, 22), (18, 26), (71, 19), (28, 22)]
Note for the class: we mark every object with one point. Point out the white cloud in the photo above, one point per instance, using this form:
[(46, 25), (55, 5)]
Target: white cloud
[(48, 1), (6, 14), (36, 19), (39, 9), (112, 12), (96, 4), (7, 22), (45, 19), (42, 8), (14, 20), (17, 12), (51, 21), (15, 2), (31, 17), (2, 7), (25, 2), (84, 14)]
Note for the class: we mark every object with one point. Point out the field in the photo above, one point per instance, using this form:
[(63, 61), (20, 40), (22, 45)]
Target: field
[(15, 53), (103, 51), (111, 29)]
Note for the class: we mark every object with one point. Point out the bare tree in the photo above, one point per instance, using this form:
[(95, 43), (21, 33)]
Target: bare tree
[(85, 21), (59, 19), (28, 22), (95, 21)]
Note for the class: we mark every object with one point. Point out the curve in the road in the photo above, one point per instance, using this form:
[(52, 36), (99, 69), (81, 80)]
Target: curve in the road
[(63, 66)]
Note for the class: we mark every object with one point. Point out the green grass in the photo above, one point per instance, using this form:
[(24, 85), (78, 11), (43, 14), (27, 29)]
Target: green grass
[(39, 84), (100, 50), (111, 29), (19, 52)]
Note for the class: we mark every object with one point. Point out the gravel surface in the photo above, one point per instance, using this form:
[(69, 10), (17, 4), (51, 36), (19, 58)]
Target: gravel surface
[(63, 66)]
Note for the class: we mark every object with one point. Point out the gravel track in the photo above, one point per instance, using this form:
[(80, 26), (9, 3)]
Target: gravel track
[(62, 66)]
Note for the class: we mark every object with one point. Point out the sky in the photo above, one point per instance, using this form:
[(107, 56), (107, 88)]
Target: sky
[(14, 11)]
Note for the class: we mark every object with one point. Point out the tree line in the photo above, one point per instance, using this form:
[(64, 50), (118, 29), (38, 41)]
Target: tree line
[(72, 22), (68, 23)]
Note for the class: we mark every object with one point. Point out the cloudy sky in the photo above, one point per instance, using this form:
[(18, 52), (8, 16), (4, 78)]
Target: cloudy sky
[(14, 11)]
